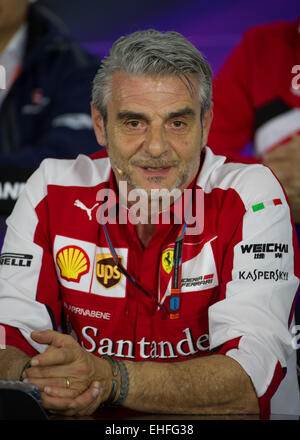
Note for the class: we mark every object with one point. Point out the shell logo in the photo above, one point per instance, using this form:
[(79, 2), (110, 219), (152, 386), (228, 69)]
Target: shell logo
[(73, 262)]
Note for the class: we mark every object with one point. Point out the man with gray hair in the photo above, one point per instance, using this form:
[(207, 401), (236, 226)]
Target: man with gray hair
[(153, 315)]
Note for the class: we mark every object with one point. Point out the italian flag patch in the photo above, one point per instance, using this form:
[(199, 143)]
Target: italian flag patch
[(262, 205)]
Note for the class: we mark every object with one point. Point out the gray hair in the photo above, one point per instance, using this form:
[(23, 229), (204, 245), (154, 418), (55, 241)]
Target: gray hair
[(153, 53)]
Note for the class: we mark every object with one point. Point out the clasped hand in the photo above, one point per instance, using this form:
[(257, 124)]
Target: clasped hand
[(71, 380)]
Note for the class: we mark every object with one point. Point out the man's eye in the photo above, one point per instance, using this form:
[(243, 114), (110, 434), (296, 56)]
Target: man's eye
[(133, 124), (178, 124)]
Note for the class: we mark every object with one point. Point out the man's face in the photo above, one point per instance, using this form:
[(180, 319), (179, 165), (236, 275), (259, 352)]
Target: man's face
[(154, 131)]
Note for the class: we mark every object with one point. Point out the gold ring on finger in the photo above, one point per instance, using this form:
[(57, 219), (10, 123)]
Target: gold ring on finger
[(68, 383)]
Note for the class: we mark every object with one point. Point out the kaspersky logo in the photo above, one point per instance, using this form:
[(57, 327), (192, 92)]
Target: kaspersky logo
[(107, 272), (73, 263)]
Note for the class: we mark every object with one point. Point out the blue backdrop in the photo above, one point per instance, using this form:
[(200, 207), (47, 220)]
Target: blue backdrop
[(214, 26)]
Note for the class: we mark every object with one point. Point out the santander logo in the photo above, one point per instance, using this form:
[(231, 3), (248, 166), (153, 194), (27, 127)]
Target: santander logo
[(144, 348)]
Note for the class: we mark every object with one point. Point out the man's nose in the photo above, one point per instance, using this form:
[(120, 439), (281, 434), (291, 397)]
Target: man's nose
[(156, 143)]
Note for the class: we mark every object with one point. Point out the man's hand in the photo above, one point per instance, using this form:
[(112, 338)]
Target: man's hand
[(71, 380), (285, 162)]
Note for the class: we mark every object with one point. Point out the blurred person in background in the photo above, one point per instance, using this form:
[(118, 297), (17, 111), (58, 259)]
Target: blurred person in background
[(44, 96), (256, 98)]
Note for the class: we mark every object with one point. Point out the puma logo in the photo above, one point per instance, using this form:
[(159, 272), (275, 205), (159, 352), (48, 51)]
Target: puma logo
[(80, 205)]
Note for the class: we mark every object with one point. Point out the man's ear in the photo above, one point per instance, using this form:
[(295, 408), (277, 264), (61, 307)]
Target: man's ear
[(98, 125)]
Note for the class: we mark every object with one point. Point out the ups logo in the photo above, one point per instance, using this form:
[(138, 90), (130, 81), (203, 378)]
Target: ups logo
[(107, 272)]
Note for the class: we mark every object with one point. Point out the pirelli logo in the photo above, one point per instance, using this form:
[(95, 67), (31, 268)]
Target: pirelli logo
[(14, 259), (107, 272)]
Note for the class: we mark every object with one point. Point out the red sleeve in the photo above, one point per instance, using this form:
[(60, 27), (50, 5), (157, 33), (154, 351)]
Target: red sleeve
[(14, 338)]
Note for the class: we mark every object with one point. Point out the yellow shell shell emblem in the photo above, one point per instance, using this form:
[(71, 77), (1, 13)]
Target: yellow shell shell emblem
[(73, 262), (167, 260)]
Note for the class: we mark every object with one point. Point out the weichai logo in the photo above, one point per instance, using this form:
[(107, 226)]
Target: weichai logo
[(73, 263), (107, 272)]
